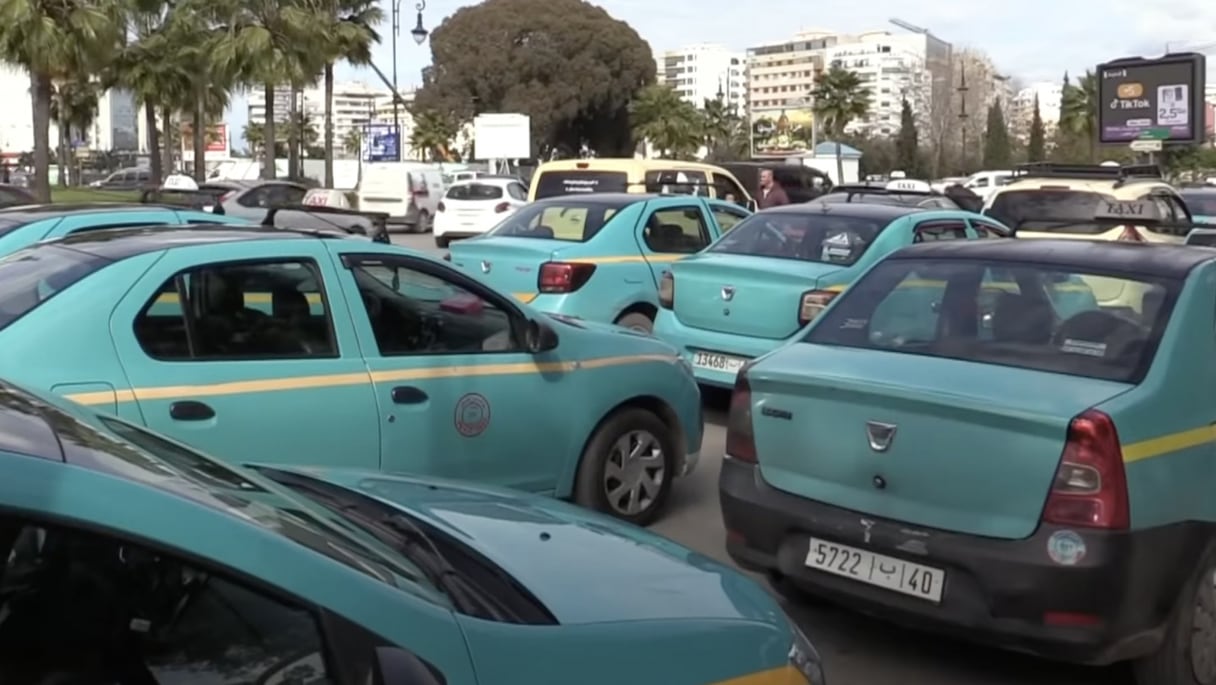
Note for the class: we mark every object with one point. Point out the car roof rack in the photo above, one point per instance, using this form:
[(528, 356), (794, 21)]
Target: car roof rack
[(851, 189), (1121, 174), (188, 199), (379, 220)]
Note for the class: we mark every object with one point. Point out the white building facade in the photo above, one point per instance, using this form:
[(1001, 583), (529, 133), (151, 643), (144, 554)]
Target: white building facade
[(1049, 94), (354, 106), (705, 72)]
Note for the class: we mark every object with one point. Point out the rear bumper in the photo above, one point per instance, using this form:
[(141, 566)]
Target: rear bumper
[(1110, 606), (446, 225), (691, 340)]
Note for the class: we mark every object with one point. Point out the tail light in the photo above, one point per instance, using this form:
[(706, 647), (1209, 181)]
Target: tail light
[(667, 290), (1130, 235), (740, 438), (1090, 486), (563, 277), (501, 207), (812, 303), (441, 207)]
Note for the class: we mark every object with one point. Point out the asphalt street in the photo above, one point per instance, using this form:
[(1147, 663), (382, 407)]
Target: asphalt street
[(857, 650)]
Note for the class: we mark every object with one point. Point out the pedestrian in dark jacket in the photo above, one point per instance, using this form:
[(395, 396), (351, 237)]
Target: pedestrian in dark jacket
[(771, 194)]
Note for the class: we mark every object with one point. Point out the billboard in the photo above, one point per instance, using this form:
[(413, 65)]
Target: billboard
[(782, 132), (1152, 99), (216, 138), (381, 143), (502, 136)]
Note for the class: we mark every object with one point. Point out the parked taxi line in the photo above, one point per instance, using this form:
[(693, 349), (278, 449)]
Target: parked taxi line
[(629, 259), (1169, 443), (250, 298), (526, 298), (782, 675), (349, 379), (995, 285)]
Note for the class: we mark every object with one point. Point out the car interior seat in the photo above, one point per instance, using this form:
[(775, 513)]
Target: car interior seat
[(1023, 319)]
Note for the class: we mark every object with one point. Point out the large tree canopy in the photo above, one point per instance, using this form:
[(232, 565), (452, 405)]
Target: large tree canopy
[(567, 64)]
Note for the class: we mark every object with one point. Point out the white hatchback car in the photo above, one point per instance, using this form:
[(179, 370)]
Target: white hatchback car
[(472, 207)]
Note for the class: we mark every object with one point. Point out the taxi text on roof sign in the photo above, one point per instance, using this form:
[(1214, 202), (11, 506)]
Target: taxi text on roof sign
[(910, 185), (1127, 209)]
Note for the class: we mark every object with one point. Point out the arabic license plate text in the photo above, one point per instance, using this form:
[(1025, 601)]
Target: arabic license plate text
[(717, 362), (877, 569)]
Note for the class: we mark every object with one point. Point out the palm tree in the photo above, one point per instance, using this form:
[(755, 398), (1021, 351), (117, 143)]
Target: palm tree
[(255, 137), (352, 142), (432, 136), (1079, 111), (674, 127), (349, 34), (839, 96), (725, 131), (74, 109), (54, 40)]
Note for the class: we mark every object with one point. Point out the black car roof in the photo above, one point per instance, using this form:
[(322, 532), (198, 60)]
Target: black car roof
[(860, 210), (1149, 259), (121, 243)]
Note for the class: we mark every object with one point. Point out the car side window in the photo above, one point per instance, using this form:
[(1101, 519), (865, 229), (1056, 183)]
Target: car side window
[(727, 217), (939, 230), (116, 224), (413, 309), (143, 176), (729, 190), (987, 230), (517, 192), (239, 311), (677, 182), (676, 230), (84, 606), (286, 195), (258, 197)]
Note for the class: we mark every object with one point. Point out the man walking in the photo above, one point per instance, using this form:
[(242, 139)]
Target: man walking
[(771, 194)]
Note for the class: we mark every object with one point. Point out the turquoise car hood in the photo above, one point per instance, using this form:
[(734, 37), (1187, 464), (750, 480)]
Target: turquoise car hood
[(584, 567)]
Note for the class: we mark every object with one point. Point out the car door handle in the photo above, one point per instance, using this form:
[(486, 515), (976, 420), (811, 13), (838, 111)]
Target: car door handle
[(408, 394), (190, 410)]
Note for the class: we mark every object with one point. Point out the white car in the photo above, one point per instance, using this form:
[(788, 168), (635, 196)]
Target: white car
[(470, 208)]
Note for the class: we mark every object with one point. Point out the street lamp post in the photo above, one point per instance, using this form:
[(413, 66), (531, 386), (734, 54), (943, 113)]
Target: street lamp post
[(419, 33)]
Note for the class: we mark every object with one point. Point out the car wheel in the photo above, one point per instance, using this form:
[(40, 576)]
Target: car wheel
[(637, 321), (442, 241), (1188, 654), (627, 467)]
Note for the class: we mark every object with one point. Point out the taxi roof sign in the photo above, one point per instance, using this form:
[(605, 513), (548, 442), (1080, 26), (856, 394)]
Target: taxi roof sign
[(1126, 211), (909, 185), (179, 182)]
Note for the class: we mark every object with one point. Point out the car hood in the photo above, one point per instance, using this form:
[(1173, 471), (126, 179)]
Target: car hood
[(584, 567)]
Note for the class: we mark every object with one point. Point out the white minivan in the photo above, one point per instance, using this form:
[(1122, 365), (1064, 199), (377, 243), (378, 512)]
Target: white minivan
[(408, 192)]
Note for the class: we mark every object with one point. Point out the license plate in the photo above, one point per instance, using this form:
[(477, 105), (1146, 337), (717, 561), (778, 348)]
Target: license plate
[(717, 362), (877, 569)]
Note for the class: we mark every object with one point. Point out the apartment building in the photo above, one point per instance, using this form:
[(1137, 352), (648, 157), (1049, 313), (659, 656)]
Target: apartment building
[(1049, 95), (354, 106), (117, 124), (705, 72)]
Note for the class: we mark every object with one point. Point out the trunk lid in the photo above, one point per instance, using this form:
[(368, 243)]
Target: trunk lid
[(974, 457), (765, 298), (508, 264)]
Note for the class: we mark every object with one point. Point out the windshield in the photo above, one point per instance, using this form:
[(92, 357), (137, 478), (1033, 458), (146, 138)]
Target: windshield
[(1023, 315), (474, 191), (807, 236), (555, 183), (1200, 204), (574, 221), (35, 275), (1055, 211)]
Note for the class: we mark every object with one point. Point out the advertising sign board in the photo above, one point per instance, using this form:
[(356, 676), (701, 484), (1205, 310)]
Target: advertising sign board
[(381, 143), (1152, 99)]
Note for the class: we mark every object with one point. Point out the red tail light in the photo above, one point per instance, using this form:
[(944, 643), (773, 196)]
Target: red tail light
[(1130, 235), (740, 438), (441, 207), (667, 290), (1090, 487), (563, 277), (813, 302), (501, 207)]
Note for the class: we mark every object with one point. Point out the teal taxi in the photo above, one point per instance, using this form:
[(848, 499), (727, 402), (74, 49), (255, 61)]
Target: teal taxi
[(338, 351), (132, 558), (597, 257), (1002, 469), (22, 226), (767, 278)]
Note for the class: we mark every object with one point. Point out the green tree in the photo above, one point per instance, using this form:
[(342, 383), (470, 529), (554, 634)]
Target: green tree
[(433, 135), (672, 126), (55, 40), (725, 131), (998, 153), (840, 97), (1079, 117), (74, 109), (1036, 147), (567, 64), (907, 142), (349, 35), (352, 142)]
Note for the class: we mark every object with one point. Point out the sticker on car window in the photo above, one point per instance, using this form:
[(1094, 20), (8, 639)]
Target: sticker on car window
[(1085, 347)]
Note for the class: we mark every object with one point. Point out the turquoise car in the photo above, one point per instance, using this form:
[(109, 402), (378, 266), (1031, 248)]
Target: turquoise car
[(26, 225), (131, 558), (759, 285), (999, 469), (597, 257), (1201, 201), (339, 351)]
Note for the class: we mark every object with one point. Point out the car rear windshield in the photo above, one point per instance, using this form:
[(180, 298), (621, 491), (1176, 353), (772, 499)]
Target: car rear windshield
[(35, 275), (555, 183), (572, 221), (1050, 211), (1201, 204), (1203, 239), (809, 237), (1029, 316), (474, 191)]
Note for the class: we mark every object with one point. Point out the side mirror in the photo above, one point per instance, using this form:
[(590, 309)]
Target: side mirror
[(751, 205), (539, 337)]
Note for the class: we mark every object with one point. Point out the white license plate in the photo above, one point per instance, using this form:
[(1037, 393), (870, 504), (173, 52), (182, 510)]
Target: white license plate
[(877, 569), (717, 362)]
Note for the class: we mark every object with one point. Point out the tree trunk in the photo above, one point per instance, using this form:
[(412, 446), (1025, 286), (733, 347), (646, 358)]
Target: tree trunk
[(839, 164), (268, 144), (157, 169), (40, 86), (199, 142), (171, 141), (65, 137), (293, 135), (329, 125)]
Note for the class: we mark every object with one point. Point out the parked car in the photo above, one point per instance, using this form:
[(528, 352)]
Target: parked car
[(345, 352), (408, 192), (126, 550), (641, 176), (759, 285), (15, 195), (131, 178), (23, 226), (1201, 237), (250, 200), (899, 192), (1201, 201), (801, 183), (597, 257), (995, 467), (472, 207)]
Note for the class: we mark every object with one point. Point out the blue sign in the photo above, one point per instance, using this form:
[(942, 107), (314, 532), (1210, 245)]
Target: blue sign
[(381, 143)]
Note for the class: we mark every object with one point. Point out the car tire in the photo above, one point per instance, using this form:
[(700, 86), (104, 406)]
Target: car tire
[(637, 321), (442, 241), (1176, 662), (603, 459)]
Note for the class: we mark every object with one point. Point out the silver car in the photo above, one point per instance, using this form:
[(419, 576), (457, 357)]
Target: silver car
[(252, 199)]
